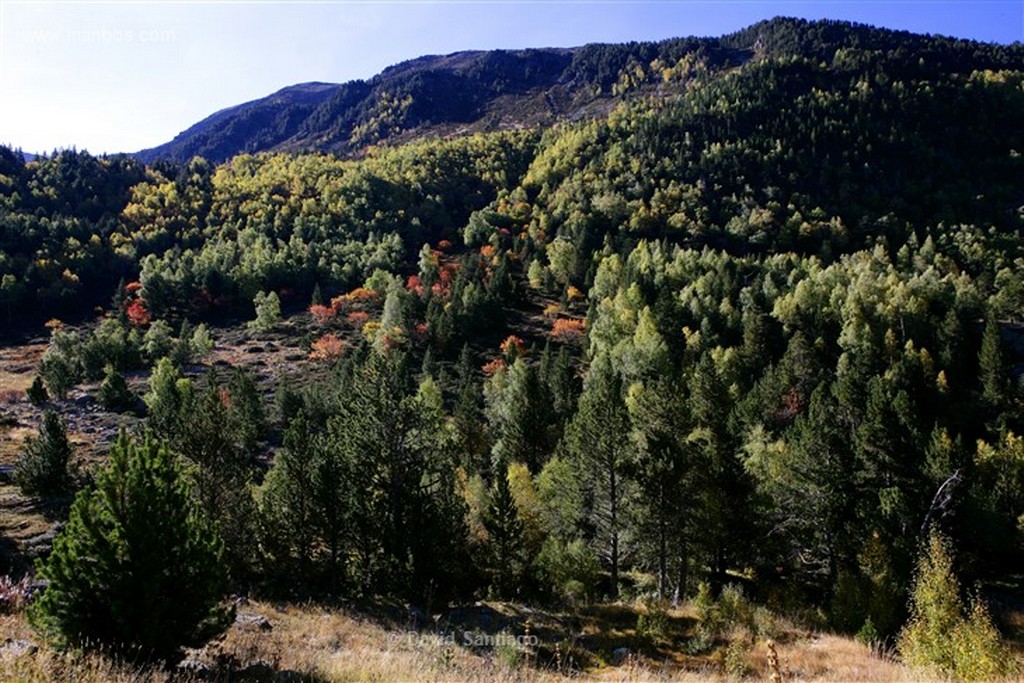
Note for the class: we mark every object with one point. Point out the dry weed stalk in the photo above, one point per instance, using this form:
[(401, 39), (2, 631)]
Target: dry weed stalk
[(773, 663)]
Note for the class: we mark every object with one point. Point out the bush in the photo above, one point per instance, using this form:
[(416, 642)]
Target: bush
[(571, 570), (36, 393), (652, 623), (137, 569), (114, 393), (42, 468), (939, 635), (268, 311)]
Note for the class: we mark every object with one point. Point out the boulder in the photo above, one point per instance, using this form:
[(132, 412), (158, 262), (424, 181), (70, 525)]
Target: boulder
[(18, 648), (254, 621)]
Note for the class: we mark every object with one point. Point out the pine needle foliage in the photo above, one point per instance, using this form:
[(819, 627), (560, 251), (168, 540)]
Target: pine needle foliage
[(138, 569)]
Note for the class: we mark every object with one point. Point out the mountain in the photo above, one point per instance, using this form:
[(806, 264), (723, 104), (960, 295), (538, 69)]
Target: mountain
[(477, 91), (250, 127), (438, 95)]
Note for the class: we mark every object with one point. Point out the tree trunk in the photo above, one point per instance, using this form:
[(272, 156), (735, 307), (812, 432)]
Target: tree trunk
[(662, 546), (613, 492)]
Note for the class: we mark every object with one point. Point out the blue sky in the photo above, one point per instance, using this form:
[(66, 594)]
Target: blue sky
[(120, 75)]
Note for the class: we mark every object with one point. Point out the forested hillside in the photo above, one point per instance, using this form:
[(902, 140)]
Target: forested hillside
[(471, 92), (759, 329)]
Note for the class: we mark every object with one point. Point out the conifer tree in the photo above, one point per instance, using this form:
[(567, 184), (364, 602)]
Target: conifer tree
[(505, 532), (288, 501), (42, 468), (992, 368), (36, 393), (597, 441), (268, 311), (114, 393), (245, 409), (168, 393), (210, 442), (138, 568)]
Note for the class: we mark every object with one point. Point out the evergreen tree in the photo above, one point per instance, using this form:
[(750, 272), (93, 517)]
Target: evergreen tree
[(268, 311), (210, 442), (245, 409), (289, 504), (517, 416), (725, 495), (406, 528), (597, 441), (168, 394), (665, 470), (138, 568), (36, 393), (60, 371), (505, 535), (114, 393), (992, 368), (42, 467)]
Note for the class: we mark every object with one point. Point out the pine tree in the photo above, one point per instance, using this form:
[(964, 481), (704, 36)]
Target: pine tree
[(505, 532), (59, 371), (288, 501), (114, 393), (245, 408), (992, 367), (268, 311), (168, 393), (663, 465), (726, 493), (42, 468), (597, 441), (138, 568), (219, 472), (36, 393)]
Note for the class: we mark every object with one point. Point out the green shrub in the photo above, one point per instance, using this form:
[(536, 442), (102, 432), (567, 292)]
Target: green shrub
[(571, 570), (652, 623), (138, 569), (868, 634), (36, 393), (268, 311), (735, 660), (939, 635), (114, 393), (42, 468)]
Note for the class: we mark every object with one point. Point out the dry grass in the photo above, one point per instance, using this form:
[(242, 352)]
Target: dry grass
[(333, 645), (18, 367)]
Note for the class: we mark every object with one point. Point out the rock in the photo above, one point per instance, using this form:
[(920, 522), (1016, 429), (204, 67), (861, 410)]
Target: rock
[(194, 669), (36, 587), (40, 543), (620, 655), (18, 648), (255, 620)]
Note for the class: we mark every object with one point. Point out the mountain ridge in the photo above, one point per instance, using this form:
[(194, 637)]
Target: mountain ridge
[(484, 90)]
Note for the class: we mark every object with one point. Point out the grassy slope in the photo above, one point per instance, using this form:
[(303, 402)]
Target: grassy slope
[(325, 644)]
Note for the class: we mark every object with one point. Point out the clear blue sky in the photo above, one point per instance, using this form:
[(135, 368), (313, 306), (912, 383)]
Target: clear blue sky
[(115, 75)]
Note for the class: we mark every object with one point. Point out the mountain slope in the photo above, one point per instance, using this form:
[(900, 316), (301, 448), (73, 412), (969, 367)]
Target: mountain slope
[(469, 92), (249, 127), (439, 95)]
